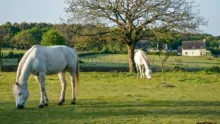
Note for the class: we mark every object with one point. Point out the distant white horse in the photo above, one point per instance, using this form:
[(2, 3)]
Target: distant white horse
[(142, 63), (41, 61)]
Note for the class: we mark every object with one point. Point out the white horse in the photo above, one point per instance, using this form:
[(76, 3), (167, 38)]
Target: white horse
[(142, 63), (41, 61)]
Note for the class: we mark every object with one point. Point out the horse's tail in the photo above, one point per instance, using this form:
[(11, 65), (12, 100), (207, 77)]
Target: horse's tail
[(22, 61), (77, 74)]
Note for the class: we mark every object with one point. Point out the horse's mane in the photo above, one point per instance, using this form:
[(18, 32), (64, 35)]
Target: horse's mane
[(145, 58), (22, 61)]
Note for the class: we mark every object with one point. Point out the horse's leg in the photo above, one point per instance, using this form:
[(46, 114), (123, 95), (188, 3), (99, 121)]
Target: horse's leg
[(140, 75), (142, 71), (63, 90), (43, 99), (137, 71), (73, 83), (44, 95)]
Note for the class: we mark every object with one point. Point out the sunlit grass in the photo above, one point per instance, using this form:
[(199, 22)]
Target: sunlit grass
[(119, 98), (124, 58), (189, 63), (7, 50)]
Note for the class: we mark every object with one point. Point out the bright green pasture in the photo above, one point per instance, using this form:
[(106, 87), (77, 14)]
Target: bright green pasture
[(186, 61), (6, 50), (123, 58), (119, 98)]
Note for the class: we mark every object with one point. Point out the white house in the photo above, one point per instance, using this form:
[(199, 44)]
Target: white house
[(194, 48)]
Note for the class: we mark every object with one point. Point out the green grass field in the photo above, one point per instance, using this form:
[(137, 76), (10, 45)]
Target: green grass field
[(190, 63), (7, 50), (119, 98), (121, 60)]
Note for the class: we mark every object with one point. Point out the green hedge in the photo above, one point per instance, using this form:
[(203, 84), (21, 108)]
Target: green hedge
[(214, 69), (162, 53), (12, 55), (86, 54), (19, 55), (214, 51)]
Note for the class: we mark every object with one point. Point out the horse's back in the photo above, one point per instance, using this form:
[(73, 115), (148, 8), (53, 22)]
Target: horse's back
[(138, 57), (53, 59)]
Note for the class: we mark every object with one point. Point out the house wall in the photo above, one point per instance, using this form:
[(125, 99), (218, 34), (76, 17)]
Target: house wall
[(191, 52)]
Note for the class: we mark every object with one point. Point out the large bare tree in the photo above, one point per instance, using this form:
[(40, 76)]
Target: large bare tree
[(133, 19)]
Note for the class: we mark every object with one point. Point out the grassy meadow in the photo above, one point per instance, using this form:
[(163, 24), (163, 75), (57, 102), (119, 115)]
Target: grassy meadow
[(121, 60), (119, 98), (7, 50)]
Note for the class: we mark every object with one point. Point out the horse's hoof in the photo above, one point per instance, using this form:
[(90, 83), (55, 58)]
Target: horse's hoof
[(60, 103), (40, 106), (73, 102), (20, 107), (46, 104)]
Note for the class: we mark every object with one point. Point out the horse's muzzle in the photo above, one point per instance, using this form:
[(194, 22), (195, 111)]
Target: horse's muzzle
[(20, 106)]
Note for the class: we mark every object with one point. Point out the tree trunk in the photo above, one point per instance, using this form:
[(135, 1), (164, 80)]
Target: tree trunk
[(162, 66), (132, 67)]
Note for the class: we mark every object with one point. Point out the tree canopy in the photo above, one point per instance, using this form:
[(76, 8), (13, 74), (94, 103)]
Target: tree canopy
[(27, 38), (135, 19), (52, 37)]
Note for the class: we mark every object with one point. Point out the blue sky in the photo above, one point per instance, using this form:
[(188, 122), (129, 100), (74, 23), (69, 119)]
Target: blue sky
[(50, 11)]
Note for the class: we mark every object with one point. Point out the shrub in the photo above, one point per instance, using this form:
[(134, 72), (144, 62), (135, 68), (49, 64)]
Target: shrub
[(86, 54), (162, 53), (178, 68), (12, 55), (215, 69), (106, 50), (52, 37)]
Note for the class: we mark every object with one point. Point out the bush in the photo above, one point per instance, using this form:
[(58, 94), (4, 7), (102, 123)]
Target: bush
[(86, 54), (106, 50), (12, 55), (178, 68), (215, 69), (162, 53), (214, 51), (52, 37)]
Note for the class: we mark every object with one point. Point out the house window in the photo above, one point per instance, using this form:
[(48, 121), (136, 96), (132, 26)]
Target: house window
[(193, 47), (192, 53), (186, 53)]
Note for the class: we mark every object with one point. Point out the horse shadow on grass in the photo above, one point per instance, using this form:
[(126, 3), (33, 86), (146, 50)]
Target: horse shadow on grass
[(87, 108)]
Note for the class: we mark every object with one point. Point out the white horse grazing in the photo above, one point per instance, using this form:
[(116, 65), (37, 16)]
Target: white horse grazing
[(142, 63), (41, 61)]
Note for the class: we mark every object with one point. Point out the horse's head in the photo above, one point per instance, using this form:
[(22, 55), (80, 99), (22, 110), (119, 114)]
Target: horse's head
[(21, 95), (148, 73)]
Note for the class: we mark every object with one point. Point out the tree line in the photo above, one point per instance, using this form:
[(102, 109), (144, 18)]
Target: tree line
[(24, 35)]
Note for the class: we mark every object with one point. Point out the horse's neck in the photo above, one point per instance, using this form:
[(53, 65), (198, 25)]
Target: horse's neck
[(145, 62), (25, 72), (146, 65), (22, 62)]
